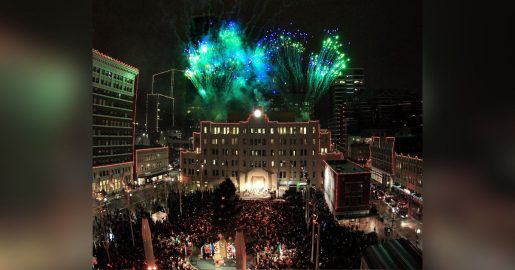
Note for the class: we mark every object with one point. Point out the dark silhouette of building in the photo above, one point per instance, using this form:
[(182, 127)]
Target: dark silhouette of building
[(389, 112)]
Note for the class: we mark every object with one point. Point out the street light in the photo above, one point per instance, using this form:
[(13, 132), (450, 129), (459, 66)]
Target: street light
[(179, 183), (393, 218), (418, 235), (314, 221), (317, 261), (201, 181)]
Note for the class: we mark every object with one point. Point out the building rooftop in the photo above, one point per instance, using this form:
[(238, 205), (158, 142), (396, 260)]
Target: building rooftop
[(393, 254), (148, 147), (135, 69), (409, 145), (345, 166), (234, 117)]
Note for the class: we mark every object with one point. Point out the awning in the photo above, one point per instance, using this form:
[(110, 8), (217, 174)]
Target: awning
[(152, 174)]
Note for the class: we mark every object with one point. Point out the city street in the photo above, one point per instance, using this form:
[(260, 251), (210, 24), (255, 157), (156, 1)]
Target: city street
[(406, 227), (143, 194)]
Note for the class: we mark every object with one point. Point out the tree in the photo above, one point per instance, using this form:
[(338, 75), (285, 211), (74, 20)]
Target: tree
[(226, 189), (225, 203)]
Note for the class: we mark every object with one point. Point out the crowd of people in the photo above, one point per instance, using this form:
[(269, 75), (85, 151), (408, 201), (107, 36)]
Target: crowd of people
[(275, 232), (174, 240), (341, 246)]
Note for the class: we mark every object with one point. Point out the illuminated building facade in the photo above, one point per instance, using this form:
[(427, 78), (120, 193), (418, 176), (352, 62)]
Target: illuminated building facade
[(359, 152), (346, 188), (257, 154), (382, 156), (408, 172), (151, 164), (344, 100), (114, 88)]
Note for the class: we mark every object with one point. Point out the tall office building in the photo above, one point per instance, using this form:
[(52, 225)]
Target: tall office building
[(114, 90), (160, 113), (344, 98)]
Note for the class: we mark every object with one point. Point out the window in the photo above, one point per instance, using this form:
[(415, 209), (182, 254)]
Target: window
[(271, 130)]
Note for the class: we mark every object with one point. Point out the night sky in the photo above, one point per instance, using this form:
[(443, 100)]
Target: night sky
[(385, 36)]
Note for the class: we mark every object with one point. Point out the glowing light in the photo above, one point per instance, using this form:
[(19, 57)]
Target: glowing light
[(227, 71), (230, 72), (257, 113)]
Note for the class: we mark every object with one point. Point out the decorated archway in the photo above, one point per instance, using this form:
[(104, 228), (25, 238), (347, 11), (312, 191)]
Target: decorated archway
[(257, 180)]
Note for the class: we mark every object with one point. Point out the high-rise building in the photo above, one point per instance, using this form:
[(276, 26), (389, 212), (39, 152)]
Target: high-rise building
[(344, 94), (114, 90), (159, 113), (257, 154)]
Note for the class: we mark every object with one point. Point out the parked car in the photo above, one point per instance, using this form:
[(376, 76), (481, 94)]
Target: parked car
[(402, 212), (403, 204), (380, 194)]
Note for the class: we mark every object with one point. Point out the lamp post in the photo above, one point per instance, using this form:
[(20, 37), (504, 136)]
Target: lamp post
[(393, 220), (314, 222), (317, 261), (130, 212), (106, 240), (201, 181), (179, 185), (417, 235)]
